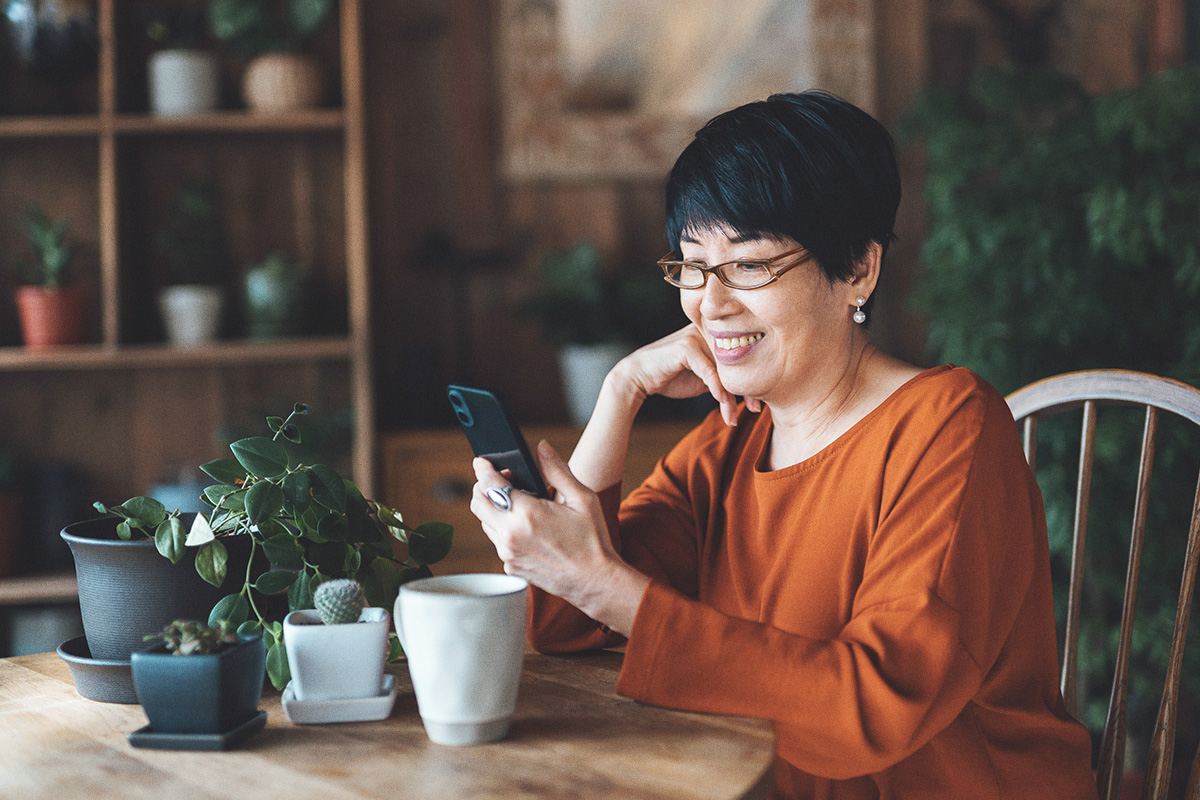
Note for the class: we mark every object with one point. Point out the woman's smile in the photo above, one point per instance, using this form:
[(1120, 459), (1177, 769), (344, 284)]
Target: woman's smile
[(732, 346)]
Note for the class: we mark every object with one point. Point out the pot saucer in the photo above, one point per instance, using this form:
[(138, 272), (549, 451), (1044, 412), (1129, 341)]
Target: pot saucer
[(104, 680), (352, 709), (149, 738)]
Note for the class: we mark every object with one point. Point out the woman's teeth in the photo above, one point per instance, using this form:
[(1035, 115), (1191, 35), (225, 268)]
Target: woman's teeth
[(740, 341)]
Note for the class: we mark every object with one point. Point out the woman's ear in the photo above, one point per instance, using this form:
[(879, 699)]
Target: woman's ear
[(866, 272)]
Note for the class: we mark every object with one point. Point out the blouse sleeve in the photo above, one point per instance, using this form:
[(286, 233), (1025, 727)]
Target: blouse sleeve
[(944, 581), (660, 505)]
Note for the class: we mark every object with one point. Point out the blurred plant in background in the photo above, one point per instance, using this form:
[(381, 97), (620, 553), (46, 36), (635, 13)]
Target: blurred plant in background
[(1062, 235)]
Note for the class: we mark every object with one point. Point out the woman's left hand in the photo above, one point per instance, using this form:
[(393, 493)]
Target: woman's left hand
[(561, 546)]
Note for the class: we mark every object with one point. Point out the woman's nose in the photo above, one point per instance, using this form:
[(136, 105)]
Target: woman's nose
[(716, 297)]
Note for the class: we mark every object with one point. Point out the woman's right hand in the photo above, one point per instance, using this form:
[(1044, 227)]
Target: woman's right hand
[(679, 366)]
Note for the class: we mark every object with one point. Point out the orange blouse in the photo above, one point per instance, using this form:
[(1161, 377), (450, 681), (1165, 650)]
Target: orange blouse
[(886, 603)]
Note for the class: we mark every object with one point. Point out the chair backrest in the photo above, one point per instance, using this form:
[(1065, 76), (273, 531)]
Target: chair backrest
[(1087, 391)]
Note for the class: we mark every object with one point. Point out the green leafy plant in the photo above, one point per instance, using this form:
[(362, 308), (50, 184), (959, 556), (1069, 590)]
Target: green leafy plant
[(1062, 236), (194, 240), (185, 637), (52, 254), (310, 523), (582, 303), (252, 27)]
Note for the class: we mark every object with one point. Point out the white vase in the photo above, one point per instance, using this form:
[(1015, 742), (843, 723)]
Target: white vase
[(583, 368), (183, 82), (191, 313), (334, 662)]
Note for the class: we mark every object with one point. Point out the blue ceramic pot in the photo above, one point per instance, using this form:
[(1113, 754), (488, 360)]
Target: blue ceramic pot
[(212, 693)]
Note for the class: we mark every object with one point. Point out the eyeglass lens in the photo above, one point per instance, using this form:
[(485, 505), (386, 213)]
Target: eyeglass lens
[(738, 274)]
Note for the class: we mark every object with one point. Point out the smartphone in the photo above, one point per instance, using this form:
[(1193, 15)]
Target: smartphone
[(493, 435)]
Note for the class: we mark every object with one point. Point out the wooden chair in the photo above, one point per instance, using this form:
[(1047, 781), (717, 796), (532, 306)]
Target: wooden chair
[(1089, 390)]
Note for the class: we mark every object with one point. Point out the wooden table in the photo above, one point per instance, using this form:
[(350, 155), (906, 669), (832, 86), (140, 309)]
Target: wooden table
[(572, 737)]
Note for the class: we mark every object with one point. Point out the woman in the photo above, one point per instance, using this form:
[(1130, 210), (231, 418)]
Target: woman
[(856, 550)]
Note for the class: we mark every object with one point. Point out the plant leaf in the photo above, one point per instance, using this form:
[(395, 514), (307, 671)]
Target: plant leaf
[(328, 488), (263, 501), (277, 666), (297, 490), (170, 538), (250, 627), (144, 512), (275, 581), (430, 542), (231, 607), (261, 456), (225, 470), (212, 561), (275, 424), (283, 550), (300, 595)]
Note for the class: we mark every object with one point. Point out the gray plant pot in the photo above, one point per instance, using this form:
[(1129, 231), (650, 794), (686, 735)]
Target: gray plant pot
[(211, 693), (128, 590)]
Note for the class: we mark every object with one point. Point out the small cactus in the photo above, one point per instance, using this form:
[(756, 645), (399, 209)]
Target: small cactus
[(339, 601)]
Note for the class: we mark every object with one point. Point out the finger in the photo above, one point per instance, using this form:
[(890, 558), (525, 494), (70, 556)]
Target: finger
[(753, 404), (706, 371), (556, 471)]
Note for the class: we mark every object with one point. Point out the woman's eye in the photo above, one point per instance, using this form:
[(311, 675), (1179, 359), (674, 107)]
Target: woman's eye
[(751, 269)]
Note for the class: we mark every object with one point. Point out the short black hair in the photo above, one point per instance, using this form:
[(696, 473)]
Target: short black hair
[(809, 167)]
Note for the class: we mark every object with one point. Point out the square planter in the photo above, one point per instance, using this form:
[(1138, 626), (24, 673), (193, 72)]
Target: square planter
[(200, 694), (331, 662)]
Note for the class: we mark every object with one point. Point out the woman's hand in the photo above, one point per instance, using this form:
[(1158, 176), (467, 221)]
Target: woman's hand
[(561, 546), (679, 365)]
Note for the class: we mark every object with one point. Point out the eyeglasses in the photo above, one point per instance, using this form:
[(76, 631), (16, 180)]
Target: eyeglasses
[(746, 273)]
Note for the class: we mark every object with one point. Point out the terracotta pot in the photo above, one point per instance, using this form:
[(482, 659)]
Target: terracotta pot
[(51, 317), (282, 82)]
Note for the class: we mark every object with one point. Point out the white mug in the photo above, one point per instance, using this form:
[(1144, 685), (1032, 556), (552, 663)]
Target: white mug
[(464, 636)]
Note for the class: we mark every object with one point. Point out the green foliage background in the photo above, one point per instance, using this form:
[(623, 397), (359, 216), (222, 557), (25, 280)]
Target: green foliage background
[(1064, 234)]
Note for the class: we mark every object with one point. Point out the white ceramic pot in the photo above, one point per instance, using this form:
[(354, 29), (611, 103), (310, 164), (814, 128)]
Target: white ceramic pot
[(336, 662), (183, 82), (282, 82), (583, 368), (191, 313)]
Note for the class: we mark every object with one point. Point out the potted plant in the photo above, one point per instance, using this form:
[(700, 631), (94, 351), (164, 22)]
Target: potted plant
[(273, 295), (337, 650), (301, 524), (184, 77), (1061, 236), (278, 77), (195, 246), (199, 681), (595, 318), (52, 311)]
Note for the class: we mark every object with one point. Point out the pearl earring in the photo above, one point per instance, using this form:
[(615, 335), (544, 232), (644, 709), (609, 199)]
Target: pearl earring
[(860, 316)]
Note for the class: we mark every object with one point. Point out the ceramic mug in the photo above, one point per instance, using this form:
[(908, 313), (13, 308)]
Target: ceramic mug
[(464, 636)]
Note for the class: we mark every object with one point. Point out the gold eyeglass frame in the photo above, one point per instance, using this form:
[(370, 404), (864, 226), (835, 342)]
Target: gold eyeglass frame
[(718, 269)]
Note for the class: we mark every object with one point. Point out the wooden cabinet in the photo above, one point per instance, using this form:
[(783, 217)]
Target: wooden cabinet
[(127, 408), (427, 475)]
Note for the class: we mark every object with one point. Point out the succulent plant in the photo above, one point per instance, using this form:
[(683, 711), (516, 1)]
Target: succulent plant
[(339, 601), (185, 637)]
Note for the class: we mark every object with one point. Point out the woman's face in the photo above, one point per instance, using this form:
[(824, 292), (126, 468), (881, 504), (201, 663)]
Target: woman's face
[(769, 343)]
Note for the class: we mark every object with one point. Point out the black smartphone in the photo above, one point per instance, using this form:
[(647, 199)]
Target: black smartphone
[(493, 435)]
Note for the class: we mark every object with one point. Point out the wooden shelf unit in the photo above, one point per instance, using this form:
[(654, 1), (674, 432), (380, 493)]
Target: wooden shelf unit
[(299, 182)]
